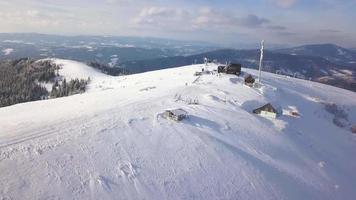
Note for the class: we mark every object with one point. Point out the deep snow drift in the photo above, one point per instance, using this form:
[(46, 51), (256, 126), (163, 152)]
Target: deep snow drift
[(111, 143)]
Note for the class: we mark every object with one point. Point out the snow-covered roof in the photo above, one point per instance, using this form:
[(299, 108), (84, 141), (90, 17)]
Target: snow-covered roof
[(267, 107), (178, 112)]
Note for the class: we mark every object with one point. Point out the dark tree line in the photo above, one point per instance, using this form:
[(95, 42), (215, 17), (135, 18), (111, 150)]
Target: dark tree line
[(113, 71), (20, 81), (65, 88)]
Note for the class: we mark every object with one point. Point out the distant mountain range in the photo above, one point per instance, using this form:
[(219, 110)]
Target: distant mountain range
[(326, 63), (104, 49), (330, 52), (248, 58)]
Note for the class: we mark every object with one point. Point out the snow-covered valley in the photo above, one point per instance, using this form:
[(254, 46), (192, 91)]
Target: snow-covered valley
[(112, 143)]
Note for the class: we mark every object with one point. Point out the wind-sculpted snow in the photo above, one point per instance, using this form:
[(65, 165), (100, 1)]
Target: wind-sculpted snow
[(114, 143)]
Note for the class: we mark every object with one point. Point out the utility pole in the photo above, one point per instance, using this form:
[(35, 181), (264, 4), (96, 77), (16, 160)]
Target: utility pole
[(261, 61)]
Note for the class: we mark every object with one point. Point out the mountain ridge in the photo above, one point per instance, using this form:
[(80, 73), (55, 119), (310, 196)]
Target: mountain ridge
[(326, 63), (331, 52), (114, 141), (302, 66)]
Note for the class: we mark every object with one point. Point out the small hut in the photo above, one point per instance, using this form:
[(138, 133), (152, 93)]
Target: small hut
[(233, 68), (267, 111), (249, 80), (221, 69), (176, 114)]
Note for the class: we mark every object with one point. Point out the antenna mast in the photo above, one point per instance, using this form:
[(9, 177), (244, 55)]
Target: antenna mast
[(261, 61)]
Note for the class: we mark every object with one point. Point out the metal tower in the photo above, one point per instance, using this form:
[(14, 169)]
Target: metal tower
[(261, 61)]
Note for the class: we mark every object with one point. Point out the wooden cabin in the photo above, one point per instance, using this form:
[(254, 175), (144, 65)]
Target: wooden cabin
[(267, 111), (221, 69), (233, 68), (176, 114)]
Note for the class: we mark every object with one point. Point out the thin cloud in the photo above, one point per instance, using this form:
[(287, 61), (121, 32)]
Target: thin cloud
[(253, 21), (285, 3), (329, 31), (279, 28), (286, 33), (214, 18), (185, 19), (159, 16)]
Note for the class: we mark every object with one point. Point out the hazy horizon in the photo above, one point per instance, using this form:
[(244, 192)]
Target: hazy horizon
[(242, 45), (226, 22)]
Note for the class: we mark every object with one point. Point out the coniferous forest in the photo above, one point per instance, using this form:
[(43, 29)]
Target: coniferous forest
[(22, 80)]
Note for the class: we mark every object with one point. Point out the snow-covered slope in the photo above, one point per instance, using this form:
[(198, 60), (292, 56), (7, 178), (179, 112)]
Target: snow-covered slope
[(73, 69), (70, 69), (112, 143)]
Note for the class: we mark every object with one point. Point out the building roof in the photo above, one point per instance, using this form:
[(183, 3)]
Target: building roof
[(178, 112), (268, 107), (235, 64)]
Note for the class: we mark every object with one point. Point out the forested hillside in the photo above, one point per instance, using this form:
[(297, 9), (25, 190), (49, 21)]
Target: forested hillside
[(24, 80)]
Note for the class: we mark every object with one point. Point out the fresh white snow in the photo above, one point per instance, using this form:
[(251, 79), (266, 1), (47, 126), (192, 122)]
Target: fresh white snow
[(112, 143), (73, 69)]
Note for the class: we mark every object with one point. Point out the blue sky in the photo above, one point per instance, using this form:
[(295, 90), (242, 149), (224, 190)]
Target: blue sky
[(229, 22)]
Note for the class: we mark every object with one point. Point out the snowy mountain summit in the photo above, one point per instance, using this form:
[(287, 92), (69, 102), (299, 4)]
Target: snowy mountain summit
[(113, 142)]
